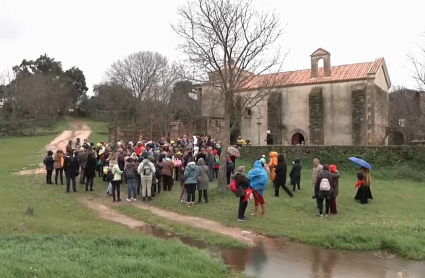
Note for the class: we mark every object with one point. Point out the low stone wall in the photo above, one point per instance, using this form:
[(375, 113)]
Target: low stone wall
[(377, 156)]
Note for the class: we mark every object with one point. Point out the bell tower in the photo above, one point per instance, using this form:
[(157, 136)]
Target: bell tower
[(320, 54)]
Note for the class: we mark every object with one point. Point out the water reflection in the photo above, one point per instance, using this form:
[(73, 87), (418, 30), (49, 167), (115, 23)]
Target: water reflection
[(278, 258)]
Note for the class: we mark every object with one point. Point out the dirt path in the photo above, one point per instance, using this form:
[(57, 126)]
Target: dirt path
[(80, 130), (106, 213), (111, 215)]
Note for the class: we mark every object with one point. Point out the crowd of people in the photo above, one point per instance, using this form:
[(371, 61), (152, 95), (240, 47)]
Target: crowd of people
[(149, 167), (325, 181), (146, 167)]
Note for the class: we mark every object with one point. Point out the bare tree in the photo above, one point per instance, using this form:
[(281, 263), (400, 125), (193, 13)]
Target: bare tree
[(417, 63), (149, 77), (139, 73), (230, 44), (405, 113)]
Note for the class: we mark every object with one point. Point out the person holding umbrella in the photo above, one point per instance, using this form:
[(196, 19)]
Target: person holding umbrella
[(363, 180)]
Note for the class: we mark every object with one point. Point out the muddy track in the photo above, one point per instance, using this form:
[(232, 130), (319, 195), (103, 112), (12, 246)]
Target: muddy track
[(112, 215), (107, 213), (80, 130)]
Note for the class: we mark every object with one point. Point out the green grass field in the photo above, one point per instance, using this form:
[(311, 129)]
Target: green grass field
[(393, 220), (64, 239)]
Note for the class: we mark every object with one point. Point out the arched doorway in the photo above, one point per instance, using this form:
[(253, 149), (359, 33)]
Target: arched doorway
[(394, 138), (298, 139)]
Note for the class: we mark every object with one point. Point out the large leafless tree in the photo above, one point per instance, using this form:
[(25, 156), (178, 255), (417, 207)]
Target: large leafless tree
[(149, 78), (231, 45), (417, 65), (145, 74)]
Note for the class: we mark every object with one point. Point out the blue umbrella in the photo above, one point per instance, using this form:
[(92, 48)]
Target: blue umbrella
[(360, 162)]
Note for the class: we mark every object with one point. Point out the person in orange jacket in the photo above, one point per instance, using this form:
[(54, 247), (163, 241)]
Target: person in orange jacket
[(272, 165)]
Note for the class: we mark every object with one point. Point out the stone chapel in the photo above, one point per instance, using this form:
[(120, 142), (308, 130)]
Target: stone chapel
[(330, 105)]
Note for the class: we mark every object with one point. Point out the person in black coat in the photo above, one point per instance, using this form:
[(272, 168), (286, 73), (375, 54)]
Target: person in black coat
[(242, 182), (90, 171), (49, 161), (295, 174), (202, 154), (280, 180), (70, 166)]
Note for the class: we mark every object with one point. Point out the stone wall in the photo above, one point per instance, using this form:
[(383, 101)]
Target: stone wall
[(274, 116), (315, 101), (377, 156), (358, 110)]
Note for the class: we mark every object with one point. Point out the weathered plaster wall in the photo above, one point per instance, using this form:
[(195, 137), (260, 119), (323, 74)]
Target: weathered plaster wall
[(337, 113)]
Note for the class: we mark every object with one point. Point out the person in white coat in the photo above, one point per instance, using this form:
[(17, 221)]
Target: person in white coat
[(146, 170)]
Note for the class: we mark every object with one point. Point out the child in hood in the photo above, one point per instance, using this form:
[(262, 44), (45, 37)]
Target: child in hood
[(49, 161), (258, 178)]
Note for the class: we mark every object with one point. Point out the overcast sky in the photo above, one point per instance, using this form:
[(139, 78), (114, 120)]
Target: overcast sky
[(91, 34)]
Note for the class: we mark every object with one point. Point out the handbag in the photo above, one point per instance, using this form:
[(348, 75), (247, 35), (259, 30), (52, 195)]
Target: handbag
[(240, 192)]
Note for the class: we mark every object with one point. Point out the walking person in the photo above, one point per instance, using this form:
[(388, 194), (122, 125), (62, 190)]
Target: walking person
[(203, 180), (49, 162), (216, 163), (295, 174), (317, 168), (323, 189), (90, 171), (333, 207), (258, 180), (130, 176), (167, 174), (59, 162), (230, 168), (158, 174), (272, 165), (116, 180), (242, 183), (146, 170), (83, 162), (210, 163), (71, 171), (280, 179), (190, 181)]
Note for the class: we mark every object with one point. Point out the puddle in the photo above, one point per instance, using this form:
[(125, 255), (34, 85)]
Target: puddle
[(276, 258)]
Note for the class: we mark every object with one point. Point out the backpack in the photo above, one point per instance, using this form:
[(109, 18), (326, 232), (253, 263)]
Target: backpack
[(109, 175), (147, 171), (325, 185), (233, 186), (217, 160), (130, 172)]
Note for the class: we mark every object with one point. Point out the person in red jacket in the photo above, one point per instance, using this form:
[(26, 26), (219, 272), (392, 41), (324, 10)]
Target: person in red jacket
[(139, 148)]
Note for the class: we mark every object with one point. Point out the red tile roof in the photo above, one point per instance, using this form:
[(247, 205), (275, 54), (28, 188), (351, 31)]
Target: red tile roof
[(342, 73)]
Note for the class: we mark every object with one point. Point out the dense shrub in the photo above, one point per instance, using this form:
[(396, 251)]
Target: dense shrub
[(387, 161)]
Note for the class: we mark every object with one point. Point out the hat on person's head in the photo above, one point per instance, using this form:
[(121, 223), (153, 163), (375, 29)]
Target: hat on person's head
[(268, 131)]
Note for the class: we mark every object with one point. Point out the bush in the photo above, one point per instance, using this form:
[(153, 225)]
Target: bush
[(388, 162)]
